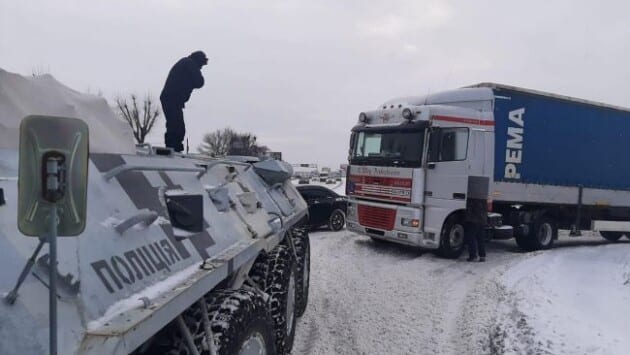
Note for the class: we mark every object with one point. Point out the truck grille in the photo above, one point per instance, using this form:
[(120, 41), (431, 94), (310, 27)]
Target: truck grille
[(377, 217)]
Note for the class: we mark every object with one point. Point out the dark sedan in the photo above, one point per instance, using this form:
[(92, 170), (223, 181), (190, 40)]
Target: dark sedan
[(325, 207)]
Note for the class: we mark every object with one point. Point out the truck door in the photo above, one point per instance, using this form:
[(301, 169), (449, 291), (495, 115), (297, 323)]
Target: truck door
[(446, 175)]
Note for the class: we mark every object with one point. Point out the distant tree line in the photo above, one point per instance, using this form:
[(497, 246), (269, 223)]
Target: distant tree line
[(141, 116), (227, 141)]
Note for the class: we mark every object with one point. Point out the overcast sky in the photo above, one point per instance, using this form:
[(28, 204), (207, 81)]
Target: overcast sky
[(298, 73)]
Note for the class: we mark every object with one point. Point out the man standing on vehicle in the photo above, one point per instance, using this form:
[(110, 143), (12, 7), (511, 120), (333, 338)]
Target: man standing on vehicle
[(476, 217), (183, 78)]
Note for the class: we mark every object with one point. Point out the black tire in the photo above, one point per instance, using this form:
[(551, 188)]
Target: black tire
[(337, 220), (303, 251), (236, 318), (452, 241), (612, 236), (274, 274), (541, 235)]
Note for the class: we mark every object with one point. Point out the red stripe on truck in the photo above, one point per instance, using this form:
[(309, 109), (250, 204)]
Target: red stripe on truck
[(464, 120)]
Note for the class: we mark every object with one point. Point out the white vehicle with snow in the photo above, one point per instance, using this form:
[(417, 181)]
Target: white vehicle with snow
[(542, 161), (178, 253)]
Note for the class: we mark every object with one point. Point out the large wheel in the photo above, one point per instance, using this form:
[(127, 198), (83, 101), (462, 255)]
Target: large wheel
[(542, 233), (239, 321), (276, 274), (337, 220), (452, 238), (303, 251), (612, 236)]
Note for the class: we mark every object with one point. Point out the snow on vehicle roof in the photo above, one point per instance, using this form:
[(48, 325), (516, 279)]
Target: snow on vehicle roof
[(21, 96), (444, 97)]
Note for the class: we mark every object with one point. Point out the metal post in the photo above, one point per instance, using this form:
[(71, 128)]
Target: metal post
[(576, 230), (12, 296), (212, 348), (52, 297), (187, 336)]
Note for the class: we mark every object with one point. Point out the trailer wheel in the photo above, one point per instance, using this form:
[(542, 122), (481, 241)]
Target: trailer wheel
[(543, 233), (303, 251), (612, 236), (452, 238), (239, 321), (276, 273)]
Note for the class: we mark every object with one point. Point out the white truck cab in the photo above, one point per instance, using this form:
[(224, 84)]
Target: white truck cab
[(414, 161)]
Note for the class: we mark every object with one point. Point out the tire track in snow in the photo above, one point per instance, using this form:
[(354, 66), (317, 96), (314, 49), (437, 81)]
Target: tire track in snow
[(369, 297)]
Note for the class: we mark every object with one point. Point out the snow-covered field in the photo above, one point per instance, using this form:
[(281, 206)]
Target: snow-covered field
[(380, 298)]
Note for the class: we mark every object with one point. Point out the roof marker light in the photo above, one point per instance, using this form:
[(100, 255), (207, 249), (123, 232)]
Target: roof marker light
[(363, 117), (407, 114)]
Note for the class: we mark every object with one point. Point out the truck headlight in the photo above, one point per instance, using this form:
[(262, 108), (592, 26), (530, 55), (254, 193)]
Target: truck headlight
[(409, 222)]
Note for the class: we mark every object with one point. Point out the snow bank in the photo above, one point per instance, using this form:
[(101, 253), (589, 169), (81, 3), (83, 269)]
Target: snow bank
[(571, 301), (22, 96)]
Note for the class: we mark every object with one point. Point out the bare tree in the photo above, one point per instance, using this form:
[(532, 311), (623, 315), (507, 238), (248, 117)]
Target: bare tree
[(229, 142), (217, 143), (140, 121), (246, 144)]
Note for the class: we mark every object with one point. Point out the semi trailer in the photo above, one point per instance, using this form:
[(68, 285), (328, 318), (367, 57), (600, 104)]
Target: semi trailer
[(542, 161)]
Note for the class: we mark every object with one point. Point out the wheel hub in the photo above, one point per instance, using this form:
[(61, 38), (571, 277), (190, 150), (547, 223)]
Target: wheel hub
[(254, 345), (456, 236), (337, 221)]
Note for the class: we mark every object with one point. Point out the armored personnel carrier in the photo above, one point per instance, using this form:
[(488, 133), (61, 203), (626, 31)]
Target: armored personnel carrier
[(180, 254)]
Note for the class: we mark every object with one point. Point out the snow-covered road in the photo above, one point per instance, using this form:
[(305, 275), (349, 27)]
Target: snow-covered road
[(379, 298)]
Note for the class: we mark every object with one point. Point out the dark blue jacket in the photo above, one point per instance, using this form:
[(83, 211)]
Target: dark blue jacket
[(182, 79)]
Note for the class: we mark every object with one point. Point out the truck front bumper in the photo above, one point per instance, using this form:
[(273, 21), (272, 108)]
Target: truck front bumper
[(397, 230), (395, 236)]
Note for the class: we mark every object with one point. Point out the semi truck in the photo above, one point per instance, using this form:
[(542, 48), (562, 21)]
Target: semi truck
[(542, 161)]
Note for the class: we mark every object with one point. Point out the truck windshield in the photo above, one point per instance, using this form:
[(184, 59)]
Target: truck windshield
[(388, 148)]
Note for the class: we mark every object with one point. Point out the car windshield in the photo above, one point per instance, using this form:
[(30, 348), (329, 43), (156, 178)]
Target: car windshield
[(388, 148)]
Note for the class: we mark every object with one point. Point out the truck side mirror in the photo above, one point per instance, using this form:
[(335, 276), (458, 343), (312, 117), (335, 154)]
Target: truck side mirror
[(53, 169)]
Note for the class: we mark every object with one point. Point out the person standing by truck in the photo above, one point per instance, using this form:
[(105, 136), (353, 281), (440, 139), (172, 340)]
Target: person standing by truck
[(183, 78), (476, 220)]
